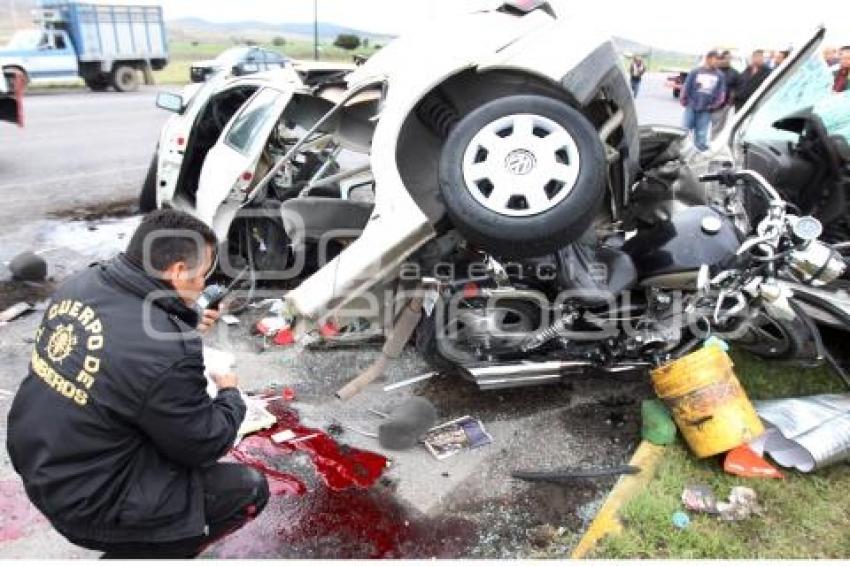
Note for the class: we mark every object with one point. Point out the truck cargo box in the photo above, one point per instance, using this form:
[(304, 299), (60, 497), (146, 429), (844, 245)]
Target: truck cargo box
[(106, 32)]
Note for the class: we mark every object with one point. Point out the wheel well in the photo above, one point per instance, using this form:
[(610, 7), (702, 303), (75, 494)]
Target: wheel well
[(426, 127)]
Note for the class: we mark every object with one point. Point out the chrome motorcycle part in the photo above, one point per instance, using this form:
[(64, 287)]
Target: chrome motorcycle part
[(817, 264)]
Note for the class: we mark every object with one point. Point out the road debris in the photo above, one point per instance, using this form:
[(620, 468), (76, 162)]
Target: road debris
[(742, 504), (451, 438), (680, 520), (565, 475), (808, 433), (657, 424), (743, 462), (14, 312), (28, 266), (411, 381), (700, 499), (407, 423), (396, 341)]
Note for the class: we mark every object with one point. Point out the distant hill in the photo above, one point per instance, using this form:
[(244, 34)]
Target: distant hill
[(188, 27)]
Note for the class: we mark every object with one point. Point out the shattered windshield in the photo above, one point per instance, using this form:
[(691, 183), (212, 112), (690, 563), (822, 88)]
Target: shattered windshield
[(809, 87), (27, 39)]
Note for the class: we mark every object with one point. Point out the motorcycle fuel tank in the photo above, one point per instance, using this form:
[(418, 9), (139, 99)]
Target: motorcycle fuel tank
[(669, 254)]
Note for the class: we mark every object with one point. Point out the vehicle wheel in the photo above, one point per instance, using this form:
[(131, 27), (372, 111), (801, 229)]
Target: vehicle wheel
[(776, 339), (676, 92), (450, 340), (125, 79), (147, 198), (522, 175)]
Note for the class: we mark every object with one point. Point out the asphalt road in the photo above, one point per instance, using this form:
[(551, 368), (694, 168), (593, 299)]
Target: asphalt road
[(78, 147), (82, 148)]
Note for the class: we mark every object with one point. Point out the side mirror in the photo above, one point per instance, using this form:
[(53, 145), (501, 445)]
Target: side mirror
[(170, 101)]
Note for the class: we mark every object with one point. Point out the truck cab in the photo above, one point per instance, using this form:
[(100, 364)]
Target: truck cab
[(42, 54)]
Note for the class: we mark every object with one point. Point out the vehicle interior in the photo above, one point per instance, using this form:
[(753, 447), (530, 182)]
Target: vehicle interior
[(206, 130)]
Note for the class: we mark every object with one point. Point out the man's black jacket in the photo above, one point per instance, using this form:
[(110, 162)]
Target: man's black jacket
[(749, 82), (112, 423)]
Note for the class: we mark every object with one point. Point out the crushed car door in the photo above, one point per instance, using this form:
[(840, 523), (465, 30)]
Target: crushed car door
[(229, 170)]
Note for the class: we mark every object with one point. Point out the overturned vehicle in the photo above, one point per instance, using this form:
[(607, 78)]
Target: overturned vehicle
[(494, 197)]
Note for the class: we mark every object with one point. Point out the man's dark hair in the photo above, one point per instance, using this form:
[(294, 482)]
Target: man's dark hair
[(758, 52), (845, 48), (167, 236), (726, 53)]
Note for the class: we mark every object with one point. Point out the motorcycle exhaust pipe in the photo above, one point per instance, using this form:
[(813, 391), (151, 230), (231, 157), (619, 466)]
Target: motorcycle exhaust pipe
[(503, 376)]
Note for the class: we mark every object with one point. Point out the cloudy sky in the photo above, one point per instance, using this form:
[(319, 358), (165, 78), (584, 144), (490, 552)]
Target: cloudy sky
[(675, 24)]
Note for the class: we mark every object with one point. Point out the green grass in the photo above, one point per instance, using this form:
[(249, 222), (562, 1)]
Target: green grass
[(806, 515)]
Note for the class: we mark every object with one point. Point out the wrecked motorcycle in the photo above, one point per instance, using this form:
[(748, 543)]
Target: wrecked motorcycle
[(616, 305)]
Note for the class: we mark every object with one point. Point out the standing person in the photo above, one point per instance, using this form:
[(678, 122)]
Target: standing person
[(751, 79), (112, 430), (830, 56), (703, 92), (842, 74), (636, 72), (731, 77), (780, 57)]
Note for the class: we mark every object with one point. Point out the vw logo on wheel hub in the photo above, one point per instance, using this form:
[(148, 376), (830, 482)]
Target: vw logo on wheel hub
[(520, 162)]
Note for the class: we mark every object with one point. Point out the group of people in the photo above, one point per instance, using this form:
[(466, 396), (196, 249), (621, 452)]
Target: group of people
[(712, 90)]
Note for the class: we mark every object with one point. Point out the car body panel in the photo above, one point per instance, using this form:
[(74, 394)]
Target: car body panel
[(226, 162), (484, 40), (171, 153)]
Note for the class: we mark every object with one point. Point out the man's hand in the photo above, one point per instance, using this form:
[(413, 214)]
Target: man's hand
[(210, 317), (226, 380)]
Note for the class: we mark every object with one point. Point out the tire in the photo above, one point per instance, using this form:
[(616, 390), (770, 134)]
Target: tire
[(676, 92), (501, 145), (147, 198), (125, 79), (776, 339)]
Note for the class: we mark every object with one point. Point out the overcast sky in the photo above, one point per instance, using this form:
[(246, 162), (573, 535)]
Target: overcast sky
[(676, 24)]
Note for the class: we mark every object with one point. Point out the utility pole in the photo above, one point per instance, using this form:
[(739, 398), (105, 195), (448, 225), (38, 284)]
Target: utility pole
[(14, 14), (316, 30)]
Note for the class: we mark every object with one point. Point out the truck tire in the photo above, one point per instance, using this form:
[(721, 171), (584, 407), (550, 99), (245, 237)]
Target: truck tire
[(125, 79), (523, 175), (147, 198)]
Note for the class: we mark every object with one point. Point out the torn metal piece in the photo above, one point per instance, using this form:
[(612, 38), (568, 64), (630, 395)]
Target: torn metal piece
[(808, 433), (410, 381), (574, 473), (14, 312)]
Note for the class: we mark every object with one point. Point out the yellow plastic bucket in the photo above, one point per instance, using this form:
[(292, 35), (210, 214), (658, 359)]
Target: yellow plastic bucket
[(708, 403)]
